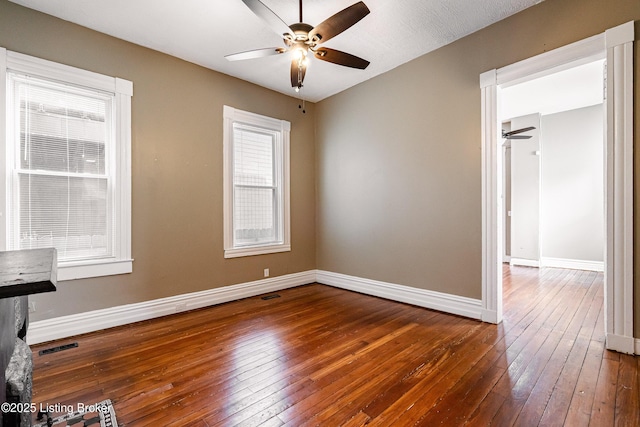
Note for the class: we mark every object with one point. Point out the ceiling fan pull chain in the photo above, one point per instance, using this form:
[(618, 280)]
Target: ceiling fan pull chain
[(302, 106)]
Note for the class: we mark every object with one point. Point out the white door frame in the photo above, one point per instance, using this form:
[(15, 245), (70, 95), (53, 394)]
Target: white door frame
[(616, 45)]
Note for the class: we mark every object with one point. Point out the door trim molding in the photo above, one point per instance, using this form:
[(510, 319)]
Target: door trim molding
[(619, 189), (616, 45)]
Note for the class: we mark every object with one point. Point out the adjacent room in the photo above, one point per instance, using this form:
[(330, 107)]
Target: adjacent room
[(253, 227)]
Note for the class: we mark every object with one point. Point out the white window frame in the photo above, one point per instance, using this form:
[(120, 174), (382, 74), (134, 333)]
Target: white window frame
[(122, 90), (283, 128)]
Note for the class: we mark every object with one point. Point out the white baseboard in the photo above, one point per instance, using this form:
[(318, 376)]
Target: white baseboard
[(572, 264), (524, 262), (622, 344), (81, 323), (447, 303), (489, 316)]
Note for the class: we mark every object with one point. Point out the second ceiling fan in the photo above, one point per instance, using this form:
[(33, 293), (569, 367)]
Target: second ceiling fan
[(515, 134), (301, 38)]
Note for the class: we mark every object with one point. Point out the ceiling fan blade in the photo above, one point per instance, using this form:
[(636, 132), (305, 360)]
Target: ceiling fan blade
[(297, 73), (268, 16), (341, 58), (257, 53), (339, 22), (517, 131)]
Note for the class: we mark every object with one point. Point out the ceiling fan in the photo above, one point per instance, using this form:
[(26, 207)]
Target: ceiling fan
[(301, 38), (515, 134)]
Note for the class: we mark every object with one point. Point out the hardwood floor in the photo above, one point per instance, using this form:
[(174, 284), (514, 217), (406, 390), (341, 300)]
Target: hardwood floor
[(323, 356)]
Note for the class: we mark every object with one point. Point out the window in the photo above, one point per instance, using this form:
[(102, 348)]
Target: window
[(66, 165), (256, 184)]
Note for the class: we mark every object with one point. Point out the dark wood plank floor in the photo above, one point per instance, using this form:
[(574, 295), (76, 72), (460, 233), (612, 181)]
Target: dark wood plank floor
[(324, 356)]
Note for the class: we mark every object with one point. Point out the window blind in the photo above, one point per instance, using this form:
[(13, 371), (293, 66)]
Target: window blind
[(61, 183), (255, 202)]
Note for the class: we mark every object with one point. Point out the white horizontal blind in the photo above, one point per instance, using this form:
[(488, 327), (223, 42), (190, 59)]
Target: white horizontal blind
[(61, 185), (256, 215)]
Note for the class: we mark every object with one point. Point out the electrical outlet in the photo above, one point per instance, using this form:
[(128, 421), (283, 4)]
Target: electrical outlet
[(266, 272), (32, 306)]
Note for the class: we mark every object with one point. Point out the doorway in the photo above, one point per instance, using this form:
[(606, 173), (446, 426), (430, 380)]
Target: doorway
[(553, 135), (616, 46)]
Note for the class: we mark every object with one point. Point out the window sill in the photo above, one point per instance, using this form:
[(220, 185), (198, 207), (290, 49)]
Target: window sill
[(85, 270), (255, 250)]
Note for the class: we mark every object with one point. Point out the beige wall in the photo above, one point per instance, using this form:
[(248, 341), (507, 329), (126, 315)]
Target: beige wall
[(176, 167), (399, 166), (571, 214), (396, 160)]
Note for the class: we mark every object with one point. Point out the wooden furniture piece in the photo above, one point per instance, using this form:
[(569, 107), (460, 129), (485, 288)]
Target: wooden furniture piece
[(22, 273)]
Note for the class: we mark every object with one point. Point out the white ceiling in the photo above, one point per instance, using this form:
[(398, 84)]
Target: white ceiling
[(573, 88), (204, 31)]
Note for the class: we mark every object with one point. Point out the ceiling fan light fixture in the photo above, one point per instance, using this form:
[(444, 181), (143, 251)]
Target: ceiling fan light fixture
[(300, 53), (300, 38)]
